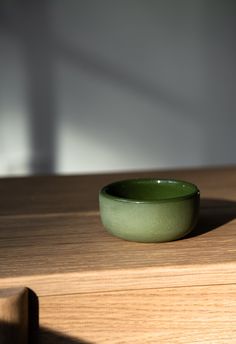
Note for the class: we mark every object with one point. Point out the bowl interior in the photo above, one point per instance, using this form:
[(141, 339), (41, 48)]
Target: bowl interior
[(150, 190)]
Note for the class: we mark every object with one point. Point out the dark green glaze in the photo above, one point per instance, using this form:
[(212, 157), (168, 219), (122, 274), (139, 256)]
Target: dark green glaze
[(149, 210), (149, 190)]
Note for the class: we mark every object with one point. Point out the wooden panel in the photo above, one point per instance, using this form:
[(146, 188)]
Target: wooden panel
[(60, 194), (73, 253), (170, 315)]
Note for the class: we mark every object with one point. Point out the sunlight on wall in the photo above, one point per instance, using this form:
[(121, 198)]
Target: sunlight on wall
[(102, 86), (108, 127), (14, 116)]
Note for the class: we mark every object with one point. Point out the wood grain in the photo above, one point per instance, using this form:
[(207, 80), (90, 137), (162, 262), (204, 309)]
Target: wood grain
[(14, 316), (96, 288), (168, 315), (45, 247), (63, 194), (71, 254)]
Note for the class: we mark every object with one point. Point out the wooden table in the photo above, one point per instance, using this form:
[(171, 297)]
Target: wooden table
[(95, 288)]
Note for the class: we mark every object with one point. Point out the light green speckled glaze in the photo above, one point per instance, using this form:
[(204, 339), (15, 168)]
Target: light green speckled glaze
[(149, 210)]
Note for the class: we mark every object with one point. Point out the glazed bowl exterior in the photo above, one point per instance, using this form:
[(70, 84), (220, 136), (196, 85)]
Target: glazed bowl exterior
[(149, 210)]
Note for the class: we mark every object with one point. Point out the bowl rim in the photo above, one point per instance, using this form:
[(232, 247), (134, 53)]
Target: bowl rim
[(196, 192)]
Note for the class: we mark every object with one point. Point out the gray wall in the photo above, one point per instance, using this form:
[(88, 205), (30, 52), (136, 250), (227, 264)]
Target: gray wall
[(89, 86)]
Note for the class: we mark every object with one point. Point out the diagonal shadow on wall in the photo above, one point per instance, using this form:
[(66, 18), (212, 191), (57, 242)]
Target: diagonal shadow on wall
[(29, 22)]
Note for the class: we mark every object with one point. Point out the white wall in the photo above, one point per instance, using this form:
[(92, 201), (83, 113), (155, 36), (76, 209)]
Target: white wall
[(89, 86)]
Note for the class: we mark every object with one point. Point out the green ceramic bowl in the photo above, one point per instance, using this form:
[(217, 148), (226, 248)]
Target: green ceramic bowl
[(149, 210)]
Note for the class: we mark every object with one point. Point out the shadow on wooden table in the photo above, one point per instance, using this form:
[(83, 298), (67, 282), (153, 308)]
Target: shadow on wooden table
[(41, 335), (12, 334), (214, 213), (46, 336)]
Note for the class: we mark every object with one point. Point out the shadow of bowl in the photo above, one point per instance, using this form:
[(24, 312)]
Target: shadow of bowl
[(214, 213)]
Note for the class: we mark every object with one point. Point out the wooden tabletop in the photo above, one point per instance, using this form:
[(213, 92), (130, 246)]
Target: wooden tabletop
[(52, 240)]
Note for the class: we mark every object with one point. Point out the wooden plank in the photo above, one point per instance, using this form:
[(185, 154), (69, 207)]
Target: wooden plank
[(170, 315), (14, 316), (51, 238), (67, 253), (60, 194)]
